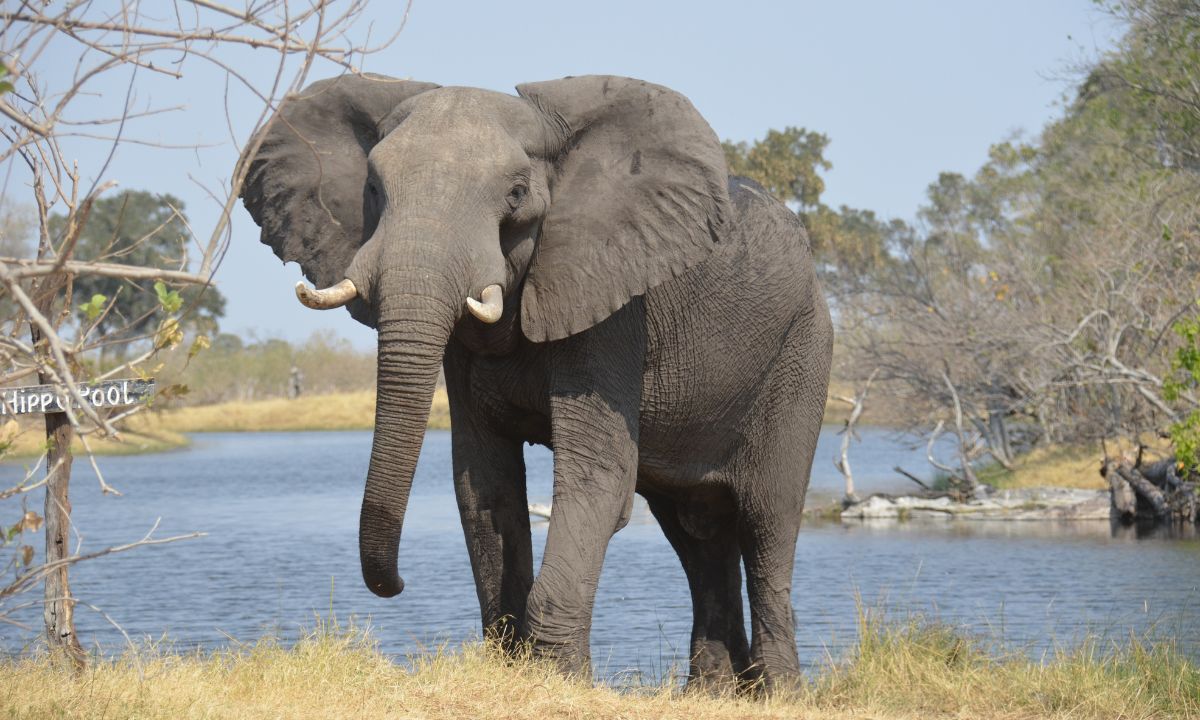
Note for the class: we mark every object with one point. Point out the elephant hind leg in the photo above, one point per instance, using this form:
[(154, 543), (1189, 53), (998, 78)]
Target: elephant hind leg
[(772, 481), (771, 477), (767, 536), (720, 653)]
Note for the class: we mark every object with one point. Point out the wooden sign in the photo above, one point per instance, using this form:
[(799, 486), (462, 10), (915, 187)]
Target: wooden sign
[(45, 399)]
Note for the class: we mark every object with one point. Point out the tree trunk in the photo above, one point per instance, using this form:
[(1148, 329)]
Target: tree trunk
[(1124, 499), (998, 431), (972, 483)]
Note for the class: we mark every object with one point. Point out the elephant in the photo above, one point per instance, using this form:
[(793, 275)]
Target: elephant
[(578, 262)]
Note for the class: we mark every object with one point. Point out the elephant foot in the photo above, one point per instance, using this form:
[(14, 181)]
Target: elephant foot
[(763, 681), (717, 671), (568, 659)]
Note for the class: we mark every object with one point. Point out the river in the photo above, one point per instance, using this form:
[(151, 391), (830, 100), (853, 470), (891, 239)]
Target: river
[(281, 511)]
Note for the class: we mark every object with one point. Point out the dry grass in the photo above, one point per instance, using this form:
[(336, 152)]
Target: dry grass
[(911, 670), (1073, 466), (1070, 466), (342, 411)]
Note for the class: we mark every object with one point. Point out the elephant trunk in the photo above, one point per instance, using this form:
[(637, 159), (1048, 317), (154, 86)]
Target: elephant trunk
[(415, 321)]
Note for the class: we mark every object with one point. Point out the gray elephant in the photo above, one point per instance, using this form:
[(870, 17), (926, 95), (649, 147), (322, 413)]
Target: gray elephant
[(579, 262)]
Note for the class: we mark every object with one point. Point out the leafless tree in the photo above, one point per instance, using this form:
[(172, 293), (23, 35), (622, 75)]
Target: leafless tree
[(55, 57), (1053, 328)]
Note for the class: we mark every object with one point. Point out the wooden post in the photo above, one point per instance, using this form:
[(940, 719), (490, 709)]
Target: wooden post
[(58, 611)]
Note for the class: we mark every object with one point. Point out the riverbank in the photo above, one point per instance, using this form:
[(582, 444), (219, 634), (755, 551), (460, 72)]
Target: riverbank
[(28, 440), (896, 671), (341, 411)]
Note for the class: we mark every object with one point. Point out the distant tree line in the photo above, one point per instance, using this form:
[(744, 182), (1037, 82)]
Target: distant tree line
[(246, 369), (1050, 297)]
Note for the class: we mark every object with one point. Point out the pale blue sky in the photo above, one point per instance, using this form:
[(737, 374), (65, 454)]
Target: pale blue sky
[(903, 90)]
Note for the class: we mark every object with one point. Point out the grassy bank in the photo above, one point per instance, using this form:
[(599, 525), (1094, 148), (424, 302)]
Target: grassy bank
[(341, 411), (1073, 466), (1053, 466), (897, 671)]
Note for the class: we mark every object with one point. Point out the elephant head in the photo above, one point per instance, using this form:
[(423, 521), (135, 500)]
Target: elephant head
[(430, 211)]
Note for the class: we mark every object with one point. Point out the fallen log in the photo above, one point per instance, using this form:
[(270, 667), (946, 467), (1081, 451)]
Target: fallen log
[(1150, 493), (1124, 499), (1146, 490)]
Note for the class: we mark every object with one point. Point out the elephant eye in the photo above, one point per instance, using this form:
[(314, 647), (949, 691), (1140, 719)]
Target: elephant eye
[(517, 195)]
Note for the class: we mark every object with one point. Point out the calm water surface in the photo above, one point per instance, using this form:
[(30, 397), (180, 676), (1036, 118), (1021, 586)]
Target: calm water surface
[(281, 513)]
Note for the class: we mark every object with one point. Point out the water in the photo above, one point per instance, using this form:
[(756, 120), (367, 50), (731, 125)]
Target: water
[(281, 513)]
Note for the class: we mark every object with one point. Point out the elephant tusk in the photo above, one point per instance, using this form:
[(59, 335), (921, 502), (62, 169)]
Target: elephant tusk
[(326, 299), (491, 308)]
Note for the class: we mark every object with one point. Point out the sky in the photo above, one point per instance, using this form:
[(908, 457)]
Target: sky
[(904, 90)]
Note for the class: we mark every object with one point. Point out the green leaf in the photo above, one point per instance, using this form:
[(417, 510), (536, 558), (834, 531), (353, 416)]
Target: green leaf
[(92, 308), (169, 299)]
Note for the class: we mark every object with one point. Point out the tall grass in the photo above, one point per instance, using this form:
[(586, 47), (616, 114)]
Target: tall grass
[(933, 670), (905, 670)]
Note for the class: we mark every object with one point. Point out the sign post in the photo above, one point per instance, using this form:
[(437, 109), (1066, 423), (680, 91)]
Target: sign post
[(45, 399)]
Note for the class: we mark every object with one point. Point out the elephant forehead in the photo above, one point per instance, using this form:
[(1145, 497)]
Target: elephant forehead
[(464, 112)]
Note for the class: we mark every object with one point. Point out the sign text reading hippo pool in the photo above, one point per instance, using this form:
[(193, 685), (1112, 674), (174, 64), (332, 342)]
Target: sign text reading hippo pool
[(45, 399)]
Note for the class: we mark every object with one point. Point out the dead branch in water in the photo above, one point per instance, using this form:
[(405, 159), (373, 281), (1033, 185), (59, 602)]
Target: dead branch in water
[(848, 433)]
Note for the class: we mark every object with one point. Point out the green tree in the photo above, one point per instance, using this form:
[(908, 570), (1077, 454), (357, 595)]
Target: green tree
[(136, 227), (847, 243), (785, 162), (1156, 70), (17, 229)]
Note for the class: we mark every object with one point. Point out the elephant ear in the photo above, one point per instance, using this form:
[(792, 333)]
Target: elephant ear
[(305, 185), (639, 196)]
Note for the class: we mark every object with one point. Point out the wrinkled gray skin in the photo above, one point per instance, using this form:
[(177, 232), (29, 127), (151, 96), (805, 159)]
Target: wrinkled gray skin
[(663, 332)]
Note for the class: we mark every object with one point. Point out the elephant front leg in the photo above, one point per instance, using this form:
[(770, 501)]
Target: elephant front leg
[(595, 466), (489, 482)]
